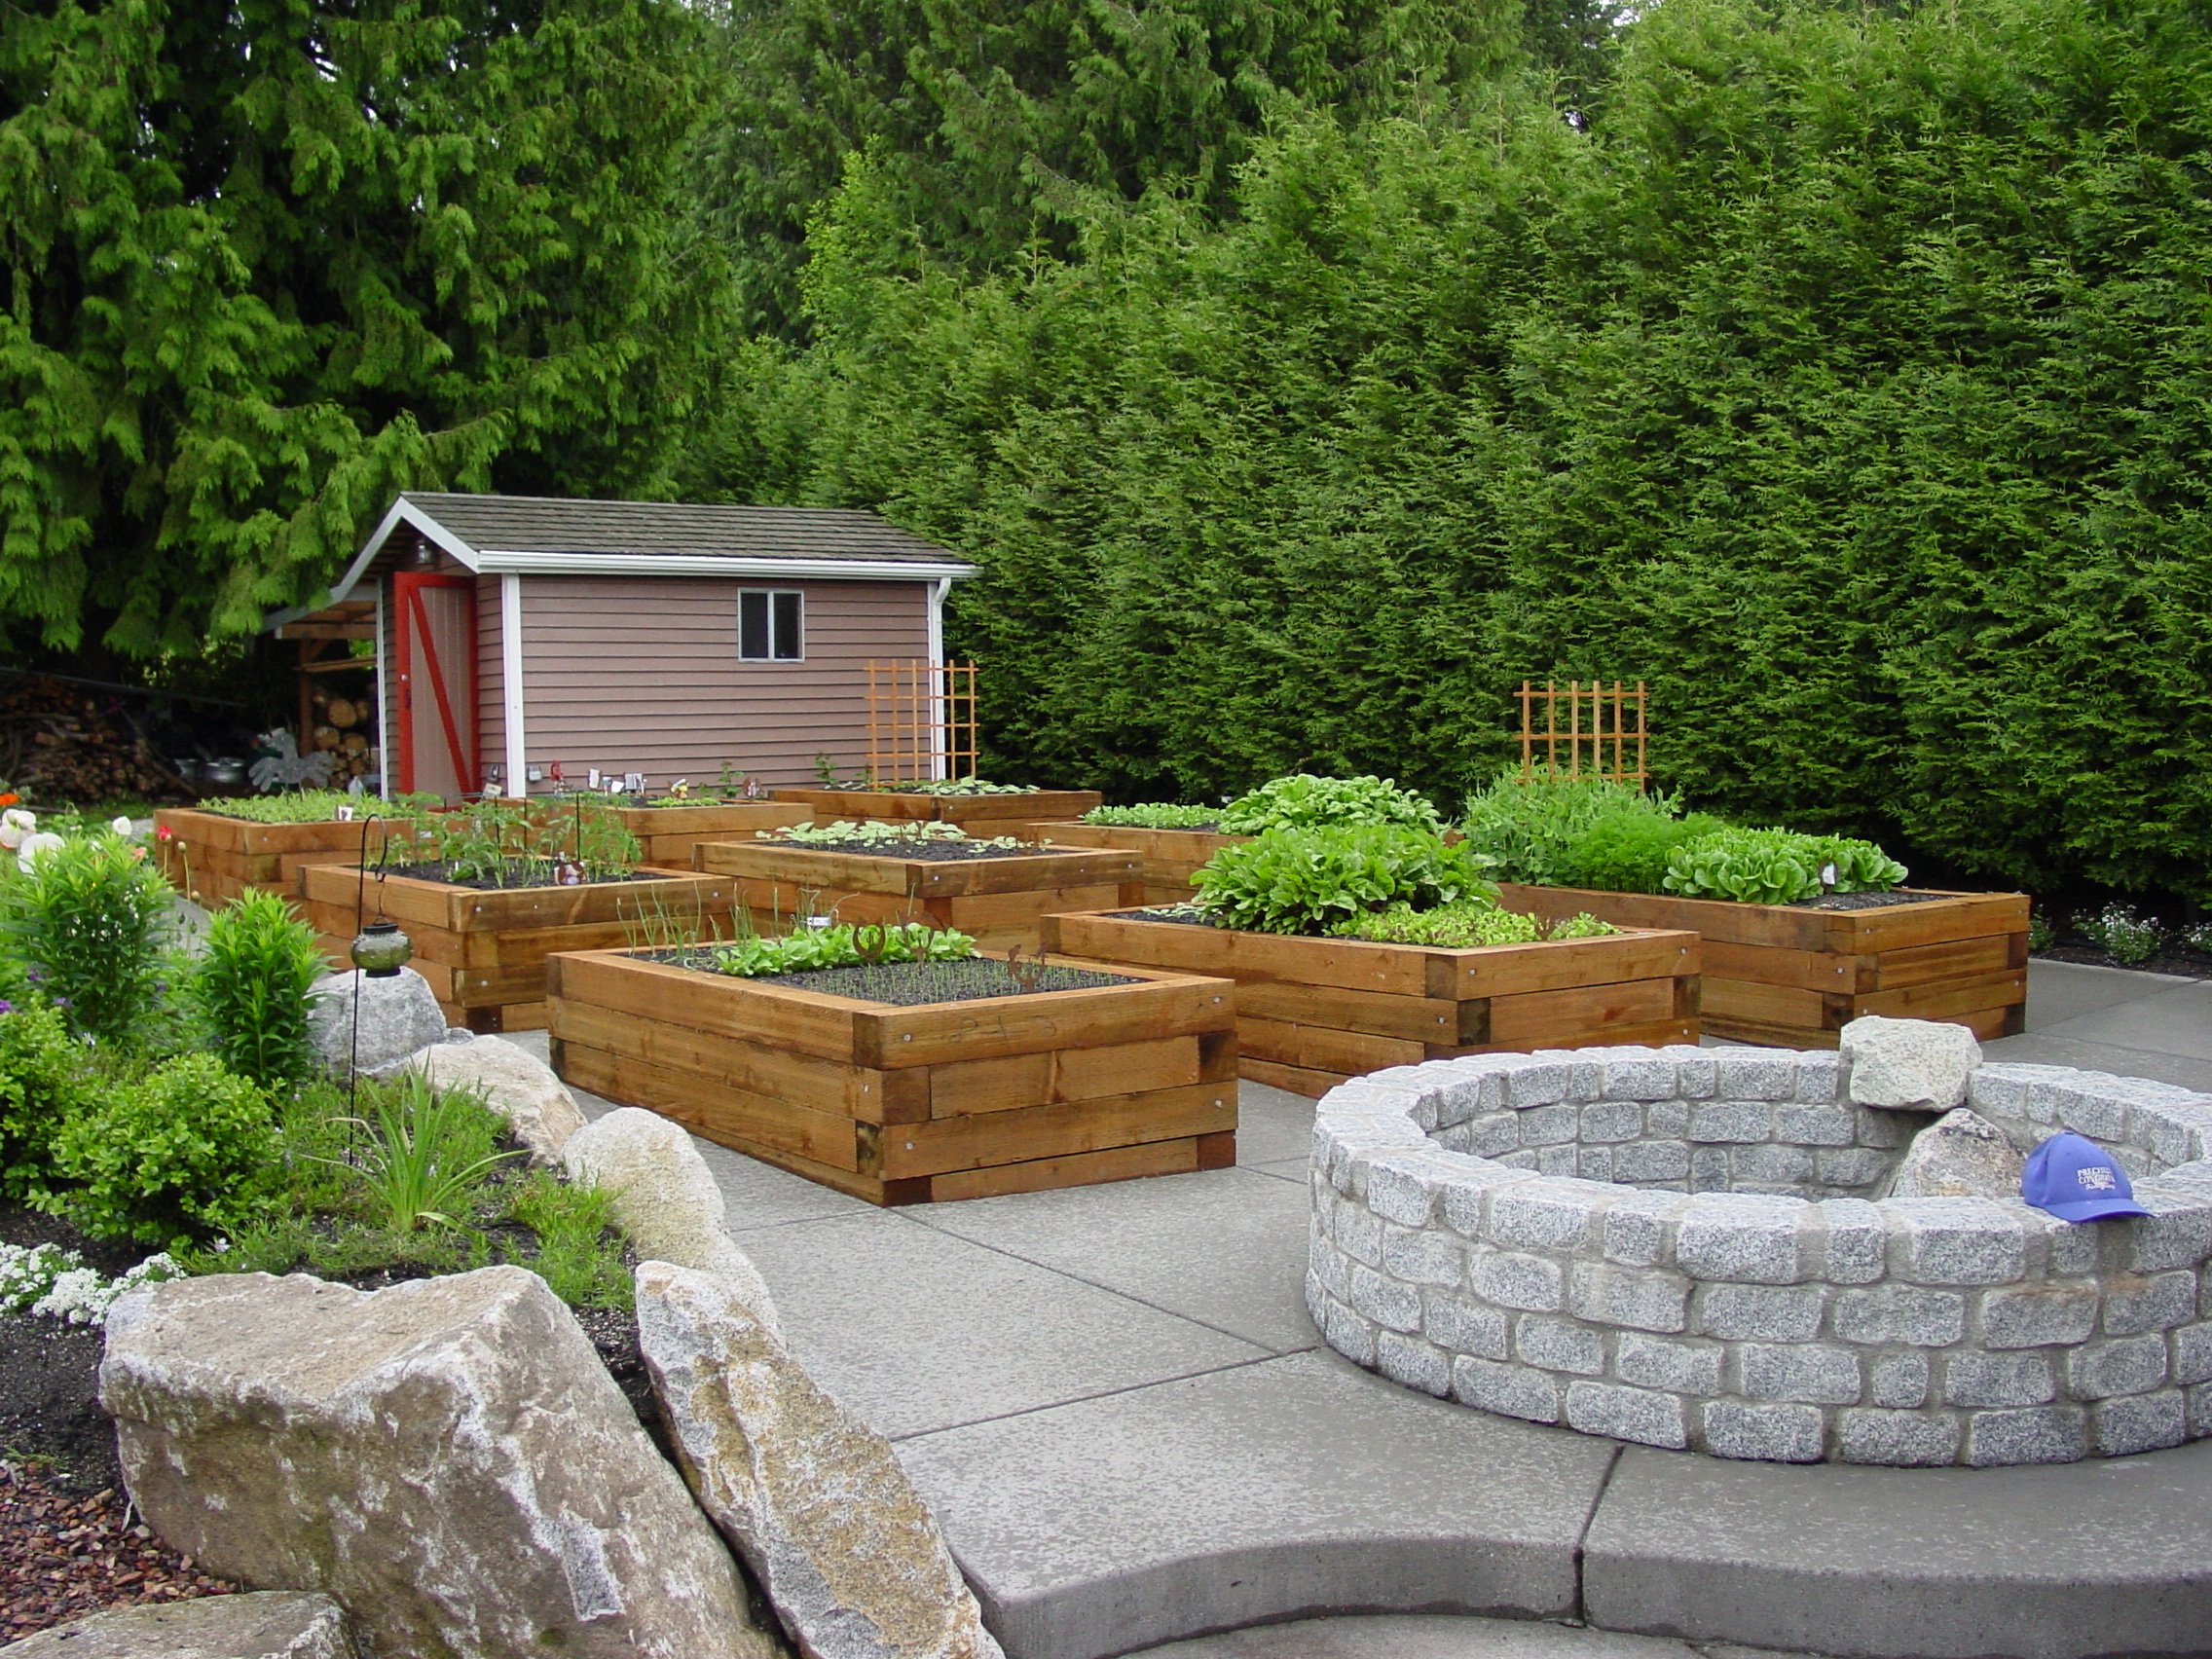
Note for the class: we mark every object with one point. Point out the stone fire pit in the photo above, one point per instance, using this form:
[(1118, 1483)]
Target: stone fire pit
[(1678, 1247)]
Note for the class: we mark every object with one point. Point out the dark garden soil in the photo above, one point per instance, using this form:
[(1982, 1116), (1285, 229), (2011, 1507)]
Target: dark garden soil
[(1864, 900), (916, 985), (930, 851), (512, 876)]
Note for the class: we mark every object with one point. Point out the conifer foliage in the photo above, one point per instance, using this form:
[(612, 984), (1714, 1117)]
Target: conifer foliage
[(266, 264)]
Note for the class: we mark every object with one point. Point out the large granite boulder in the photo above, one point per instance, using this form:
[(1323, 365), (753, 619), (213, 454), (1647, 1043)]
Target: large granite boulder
[(270, 1625), (397, 1014), (514, 1083), (1916, 1065), (447, 1457), (1962, 1155), (666, 1198), (813, 1500)]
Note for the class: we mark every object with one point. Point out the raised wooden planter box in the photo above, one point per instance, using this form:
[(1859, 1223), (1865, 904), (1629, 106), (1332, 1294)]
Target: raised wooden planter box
[(1000, 900), (910, 1105), (979, 815), (226, 858), (485, 952), (1791, 977), (1167, 856), (666, 834), (1312, 1012)]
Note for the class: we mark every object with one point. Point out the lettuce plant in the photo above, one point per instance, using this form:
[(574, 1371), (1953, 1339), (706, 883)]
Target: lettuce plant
[(1304, 801), (1303, 880)]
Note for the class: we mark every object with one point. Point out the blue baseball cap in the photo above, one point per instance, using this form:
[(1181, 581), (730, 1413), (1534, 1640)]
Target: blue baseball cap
[(2076, 1179)]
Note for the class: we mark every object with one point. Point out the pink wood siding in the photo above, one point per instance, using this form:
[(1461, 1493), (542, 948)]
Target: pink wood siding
[(641, 674)]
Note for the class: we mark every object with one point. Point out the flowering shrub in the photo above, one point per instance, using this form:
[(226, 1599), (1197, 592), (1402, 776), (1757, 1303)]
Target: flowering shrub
[(91, 917), (2128, 938)]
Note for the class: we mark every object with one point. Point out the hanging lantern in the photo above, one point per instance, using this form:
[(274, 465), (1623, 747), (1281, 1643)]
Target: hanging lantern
[(379, 951)]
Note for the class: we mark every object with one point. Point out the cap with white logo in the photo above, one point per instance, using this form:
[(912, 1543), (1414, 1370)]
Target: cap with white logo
[(2074, 1179)]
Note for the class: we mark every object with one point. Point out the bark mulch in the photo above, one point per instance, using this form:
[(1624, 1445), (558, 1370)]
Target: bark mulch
[(65, 1555)]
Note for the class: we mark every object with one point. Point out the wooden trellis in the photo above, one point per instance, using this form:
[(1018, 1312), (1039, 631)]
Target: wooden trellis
[(1603, 735), (921, 720)]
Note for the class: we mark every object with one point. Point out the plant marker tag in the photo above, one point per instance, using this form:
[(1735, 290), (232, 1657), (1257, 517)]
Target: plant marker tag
[(1827, 878), (344, 813)]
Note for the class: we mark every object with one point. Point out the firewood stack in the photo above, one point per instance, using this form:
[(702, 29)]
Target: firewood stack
[(68, 744), (342, 729)]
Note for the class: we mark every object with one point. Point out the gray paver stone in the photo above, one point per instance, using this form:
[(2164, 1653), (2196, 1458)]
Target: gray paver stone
[(1652, 1160), (1464, 1326), (1643, 1300), (1639, 1228), (1824, 1124), (1694, 1071), (1910, 1439), (1667, 1120), (2192, 1354), (1416, 1364), (1774, 1165), (1384, 1301), (1347, 1333), (1594, 1163), (1564, 1161), (1849, 1166), (1511, 1279), (1515, 1390), (1778, 1434), (1757, 1312), (1431, 1255), (1816, 1373), (2125, 1365), (2201, 1410), (2177, 1234), (1899, 1379), (1327, 1265), (1858, 1240), (1679, 1367), (1627, 1414), (1644, 1078), (2040, 1434), (1750, 1241), (1820, 1076), (2139, 1423), (1402, 1189), (2033, 1315), (1463, 1198), (1549, 1126), (1900, 1313), (2093, 1112), (1997, 1380), (1538, 1085), (1358, 1233), (1541, 1215), (1612, 1120), (1558, 1344), (1731, 1121), (1958, 1240), (2134, 1305), (1755, 1074), (1492, 1133)]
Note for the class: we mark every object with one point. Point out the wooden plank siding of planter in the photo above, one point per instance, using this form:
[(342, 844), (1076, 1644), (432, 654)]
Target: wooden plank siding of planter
[(666, 834), (223, 859), (979, 815), (913, 1105), (484, 952), (1167, 856), (1312, 1012), (1791, 977), (1000, 900)]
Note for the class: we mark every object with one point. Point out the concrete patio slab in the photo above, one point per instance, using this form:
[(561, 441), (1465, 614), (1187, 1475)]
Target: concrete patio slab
[(2047, 1048), (915, 1329), (1272, 1125), (2177, 1021), (2060, 991), (1224, 1249), (1289, 1169), (1436, 1635), (2112, 1556), (1297, 1486)]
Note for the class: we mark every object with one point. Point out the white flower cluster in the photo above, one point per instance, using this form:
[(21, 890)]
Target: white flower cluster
[(20, 835), (52, 1283)]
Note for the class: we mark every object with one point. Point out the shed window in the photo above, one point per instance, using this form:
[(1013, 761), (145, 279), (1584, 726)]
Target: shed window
[(771, 625)]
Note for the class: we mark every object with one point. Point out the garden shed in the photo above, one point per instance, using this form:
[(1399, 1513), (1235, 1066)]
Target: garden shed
[(517, 633)]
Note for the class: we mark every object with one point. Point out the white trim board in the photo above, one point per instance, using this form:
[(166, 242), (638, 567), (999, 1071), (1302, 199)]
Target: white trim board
[(510, 681)]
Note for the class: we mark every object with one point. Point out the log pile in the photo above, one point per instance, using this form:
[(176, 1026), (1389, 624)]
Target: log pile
[(65, 744), (343, 729)]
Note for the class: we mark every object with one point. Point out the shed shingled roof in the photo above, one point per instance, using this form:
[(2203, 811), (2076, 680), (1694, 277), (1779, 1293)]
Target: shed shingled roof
[(540, 524)]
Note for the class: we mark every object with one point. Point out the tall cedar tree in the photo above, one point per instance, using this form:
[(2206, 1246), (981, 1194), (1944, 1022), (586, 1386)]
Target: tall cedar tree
[(1848, 377), (990, 120), (269, 262)]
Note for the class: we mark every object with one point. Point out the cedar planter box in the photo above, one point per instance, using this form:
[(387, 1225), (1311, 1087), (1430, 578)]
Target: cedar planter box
[(1784, 975), (979, 815), (1000, 900), (483, 951), (1167, 856), (226, 858), (905, 1105), (666, 834), (1312, 1012)]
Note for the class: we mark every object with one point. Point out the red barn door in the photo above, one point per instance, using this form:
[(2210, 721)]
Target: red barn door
[(437, 648)]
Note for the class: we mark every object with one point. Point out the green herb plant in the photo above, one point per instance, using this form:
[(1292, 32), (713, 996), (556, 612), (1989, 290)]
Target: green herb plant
[(1465, 925), (1304, 801), (845, 944), (968, 786), (1527, 826), (1304, 880), (876, 834), (1156, 815), (250, 986), (315, 807), (1626, 850)]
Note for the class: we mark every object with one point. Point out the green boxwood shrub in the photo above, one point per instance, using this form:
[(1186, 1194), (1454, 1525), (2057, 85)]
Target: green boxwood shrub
[(46, 1078), (183, 1153)]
